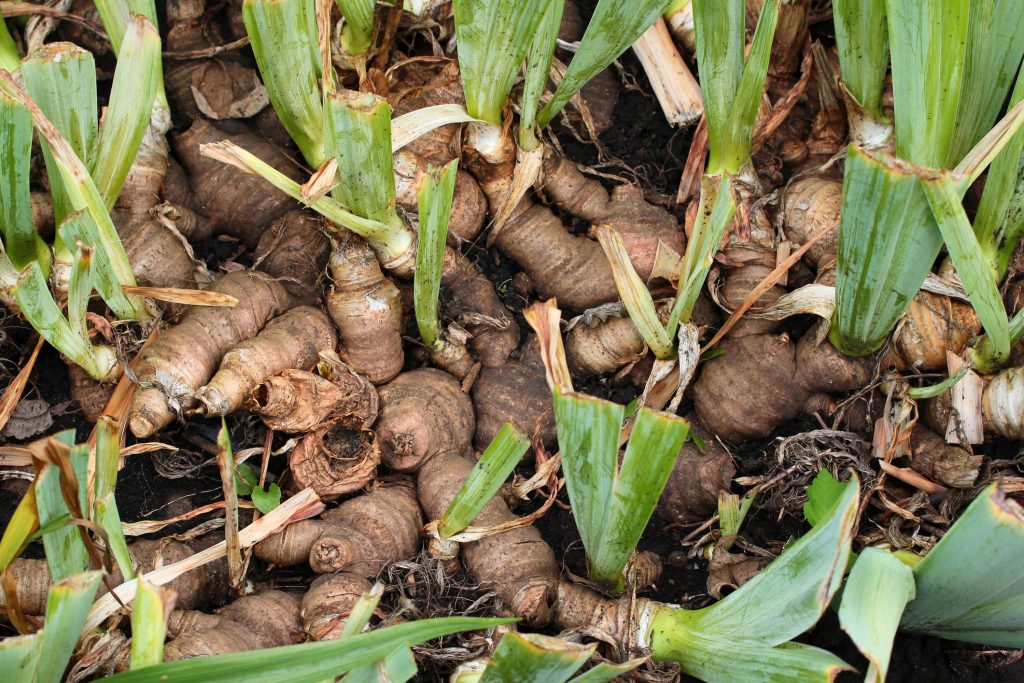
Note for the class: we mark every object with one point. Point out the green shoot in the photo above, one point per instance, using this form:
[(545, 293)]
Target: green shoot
[(69, 336), (359, 132), (927, 39), (283, 35), (635, 295), (398, 666), (362, 612), (308, 661), (975, 272), (114, 269), (435, 205), (20, 241), (22, 524), (148, 626), (490, 472), (614, 26), (612, 502), (493, 37), (357, 34), (732, 85), (732, 88)]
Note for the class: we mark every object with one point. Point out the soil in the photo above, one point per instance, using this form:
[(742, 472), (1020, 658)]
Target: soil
[(640, 147)]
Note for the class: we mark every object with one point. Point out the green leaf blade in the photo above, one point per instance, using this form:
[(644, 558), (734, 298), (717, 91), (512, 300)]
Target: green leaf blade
[(307, 662), (66, 608), (588, 437), (888, 242), (493, 38), (614, 26), (532, 658), (283, 36), (489, 473), (435, 206), (862, 40), (650, 455), (132, 94), (928, 45), (987, 540), (879, 588), (789, 595)]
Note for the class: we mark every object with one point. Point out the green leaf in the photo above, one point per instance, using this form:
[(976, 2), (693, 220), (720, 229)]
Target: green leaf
[(927, 39), (359, 130), (80, 227), (940, 387), (361, 613), (538, 71), (307, 662), (66, 607), (588, 438), (19, 655), (728, 660), (397, 667), (605, 673), (61, 79), (20, 527), (743, 111), (107, 516), (822, 495), (65, 551), (108, 455), (862, 40), (9, 59), (533, 658), (136, 78), (20, 241), (493, 38), (635, 295), (789, 595), (357, 34), (879, 588), (391, 243), (646, 466), (995, 232), (265, 501), (707, 234), (974, 270), (995, 45), (986, 541), (614, 26), (489, 473), (283, 36), (148, 627), (888, 242), (732, 89), (435, 207), (40, 310)]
